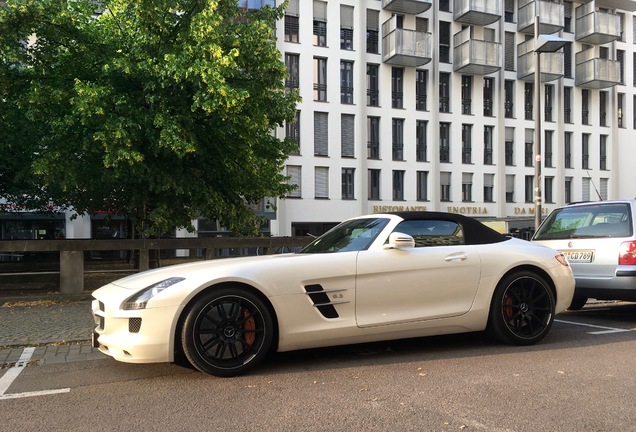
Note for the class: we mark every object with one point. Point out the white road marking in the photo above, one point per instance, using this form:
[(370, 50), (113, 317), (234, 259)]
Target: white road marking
[(606, 330), (11, 374)]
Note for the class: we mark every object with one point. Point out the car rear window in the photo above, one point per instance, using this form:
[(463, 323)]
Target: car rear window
[(598, 220)]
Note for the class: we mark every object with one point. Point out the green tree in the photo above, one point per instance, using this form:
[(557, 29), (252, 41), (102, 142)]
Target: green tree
[(157, 110)]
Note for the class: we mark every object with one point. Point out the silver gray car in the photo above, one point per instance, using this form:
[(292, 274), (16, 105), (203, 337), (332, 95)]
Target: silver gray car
[(599, 242)]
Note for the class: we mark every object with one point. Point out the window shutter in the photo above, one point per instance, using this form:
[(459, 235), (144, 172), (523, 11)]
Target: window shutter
[(347, 135), (603, 188), (445, 178), (529, 135), (467, 178), (293, 171), (510, 134), (322, 182), (292, 8), (373, 20), (586, 189), (321, 134), (346, 17), (510, 183), (489, 180), (509, 46), (320, 11)]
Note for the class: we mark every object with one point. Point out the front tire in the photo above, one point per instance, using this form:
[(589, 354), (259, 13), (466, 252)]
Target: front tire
[(522, 309), (227, 332)]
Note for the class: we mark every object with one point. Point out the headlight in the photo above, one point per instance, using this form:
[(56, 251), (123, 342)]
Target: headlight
[(140, 300)]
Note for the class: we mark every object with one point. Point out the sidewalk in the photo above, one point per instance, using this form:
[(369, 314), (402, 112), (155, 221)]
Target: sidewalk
[(59, 327)]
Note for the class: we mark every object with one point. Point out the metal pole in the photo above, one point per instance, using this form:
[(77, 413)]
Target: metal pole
[(537, 126)]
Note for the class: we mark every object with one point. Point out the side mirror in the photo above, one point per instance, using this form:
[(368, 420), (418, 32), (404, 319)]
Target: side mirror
[(398, 240)]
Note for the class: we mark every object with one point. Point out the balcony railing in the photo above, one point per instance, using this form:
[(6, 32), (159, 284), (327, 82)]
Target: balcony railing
[(477, 12), (594, 72), (412, 7), (551, 16), (475, 57), (551, 63), (404, 47), (596, 27)]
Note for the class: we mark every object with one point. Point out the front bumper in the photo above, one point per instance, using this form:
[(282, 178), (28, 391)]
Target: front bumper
[(134, 336)]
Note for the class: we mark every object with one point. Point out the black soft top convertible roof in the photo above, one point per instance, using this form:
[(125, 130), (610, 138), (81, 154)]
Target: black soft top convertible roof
[(475, 232)]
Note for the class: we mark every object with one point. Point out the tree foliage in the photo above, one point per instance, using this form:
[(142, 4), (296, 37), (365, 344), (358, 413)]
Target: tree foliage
[(157, 110)]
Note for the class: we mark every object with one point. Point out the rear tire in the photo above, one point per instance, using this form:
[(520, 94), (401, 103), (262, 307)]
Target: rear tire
[(227, 332), (522, 309), (577, 303)]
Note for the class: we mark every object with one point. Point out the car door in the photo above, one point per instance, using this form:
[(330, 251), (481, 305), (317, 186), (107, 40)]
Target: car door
[(433, 280)]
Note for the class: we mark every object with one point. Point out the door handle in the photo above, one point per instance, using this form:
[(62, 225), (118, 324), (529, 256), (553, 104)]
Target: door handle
[(461, 256)]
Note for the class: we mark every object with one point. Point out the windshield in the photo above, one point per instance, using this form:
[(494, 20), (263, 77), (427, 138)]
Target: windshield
[(600, 220), (353, 235)]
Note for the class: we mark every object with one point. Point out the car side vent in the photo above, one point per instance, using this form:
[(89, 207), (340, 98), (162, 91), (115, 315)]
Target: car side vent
[(321, 301)]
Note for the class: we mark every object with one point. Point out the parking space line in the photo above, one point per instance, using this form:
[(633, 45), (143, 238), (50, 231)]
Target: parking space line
[(11, 374), (606, 330)]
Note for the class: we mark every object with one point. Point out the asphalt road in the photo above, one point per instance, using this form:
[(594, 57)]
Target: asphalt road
[(582, 377)]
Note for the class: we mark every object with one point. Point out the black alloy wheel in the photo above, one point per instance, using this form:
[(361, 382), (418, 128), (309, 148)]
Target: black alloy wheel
[(522, 310), (227, 331)]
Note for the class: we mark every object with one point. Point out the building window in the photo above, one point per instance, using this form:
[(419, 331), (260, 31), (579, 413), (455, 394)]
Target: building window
[(602, 109), (603, 152), (488, 149), (567, 18), (547, 190), (467, 91), (509, 90), (585, 109), (422, 185), (292, 132), (321, 134), (294, 174), (348, 183), (529, 148), (445, 186), (420, 141), (567, 104), (373, 30), (347, 135), (291, 28), (444, 5), (547, 149), (567, 60), (421, 78), (489, 188), (444, 92), (509, 11), (321, 182), (398, 139), (373, 132), (620, 102), (346, 27), (320, 79), (397, 87), (585, 152), (548, 102), (585, 189), (444, 41), (320, 23), (529, 99), (603, 186), (509, 150), (467, 187), (568, 190), (444, 142), (489, 84), (346, 82), (567, 142), (374, 184), (529, 188), (467, 146), (398, 185), (293, 73), (510, 188), (620, 59), (373, 93)]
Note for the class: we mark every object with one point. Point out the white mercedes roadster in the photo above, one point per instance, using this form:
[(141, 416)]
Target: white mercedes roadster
[(371, 278)]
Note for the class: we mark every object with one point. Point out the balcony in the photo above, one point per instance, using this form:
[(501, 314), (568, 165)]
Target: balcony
[(477, 12), (551, 16), (551, 63), (475, 57), (594, 72), (411, 7), (402, 47), (626, 5), (596, 27)]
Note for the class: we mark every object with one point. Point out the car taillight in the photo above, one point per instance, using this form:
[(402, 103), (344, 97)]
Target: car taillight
[(627, 254)]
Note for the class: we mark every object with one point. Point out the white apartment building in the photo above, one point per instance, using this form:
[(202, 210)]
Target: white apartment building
[(430, 105)]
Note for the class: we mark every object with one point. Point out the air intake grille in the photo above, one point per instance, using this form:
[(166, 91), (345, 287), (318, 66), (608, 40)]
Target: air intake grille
[(134, 325), (321, 301)]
